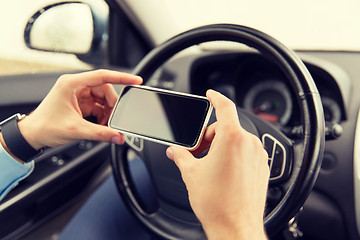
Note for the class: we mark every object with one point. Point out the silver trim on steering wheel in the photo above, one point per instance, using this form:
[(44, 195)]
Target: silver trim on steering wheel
[(275, 143)]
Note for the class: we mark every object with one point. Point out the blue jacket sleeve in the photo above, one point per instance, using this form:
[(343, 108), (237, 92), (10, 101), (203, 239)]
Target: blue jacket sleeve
[(11, 172)]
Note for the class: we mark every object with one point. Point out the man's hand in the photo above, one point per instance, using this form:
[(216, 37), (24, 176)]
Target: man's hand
[(227, 188), (59, 119)]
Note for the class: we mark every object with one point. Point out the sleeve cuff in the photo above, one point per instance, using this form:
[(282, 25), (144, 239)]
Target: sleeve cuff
[(12, 172)]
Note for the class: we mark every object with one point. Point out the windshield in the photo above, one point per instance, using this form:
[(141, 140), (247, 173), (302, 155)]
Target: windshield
[(301, 25)]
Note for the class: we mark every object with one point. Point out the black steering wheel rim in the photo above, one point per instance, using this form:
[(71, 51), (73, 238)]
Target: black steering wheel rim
[(308, 98)]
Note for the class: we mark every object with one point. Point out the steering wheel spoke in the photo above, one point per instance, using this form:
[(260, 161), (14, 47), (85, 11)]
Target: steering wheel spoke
[(279, 147)]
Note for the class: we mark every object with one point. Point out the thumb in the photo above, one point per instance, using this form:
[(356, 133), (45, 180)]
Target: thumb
[(101, 133), (179, 155)]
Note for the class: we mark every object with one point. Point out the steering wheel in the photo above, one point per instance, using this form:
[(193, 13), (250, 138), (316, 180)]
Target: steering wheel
[(294, 164)]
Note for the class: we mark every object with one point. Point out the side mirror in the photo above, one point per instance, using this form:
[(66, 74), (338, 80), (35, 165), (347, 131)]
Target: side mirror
[(69, 27)]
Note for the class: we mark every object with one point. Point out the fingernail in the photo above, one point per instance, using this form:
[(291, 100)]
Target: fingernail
[(169, 153), (117, 140), (139, 78), (209, 92)]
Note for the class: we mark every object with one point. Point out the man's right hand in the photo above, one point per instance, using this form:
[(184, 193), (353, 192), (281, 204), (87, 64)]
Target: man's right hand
[(227, 188)]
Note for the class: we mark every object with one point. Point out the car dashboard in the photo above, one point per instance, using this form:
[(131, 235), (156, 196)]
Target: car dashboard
[(257, 85)]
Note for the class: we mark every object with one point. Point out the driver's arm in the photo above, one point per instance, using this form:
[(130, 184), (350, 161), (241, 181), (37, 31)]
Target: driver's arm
[(59, 119), (227, 188), (12, 171)]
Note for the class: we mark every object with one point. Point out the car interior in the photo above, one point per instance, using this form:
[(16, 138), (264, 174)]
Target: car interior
[(301, 102)]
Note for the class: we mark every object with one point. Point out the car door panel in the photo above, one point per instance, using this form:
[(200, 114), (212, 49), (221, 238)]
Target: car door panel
[(61, 174)]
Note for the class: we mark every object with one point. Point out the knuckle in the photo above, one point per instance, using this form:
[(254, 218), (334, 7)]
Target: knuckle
[(234, 135), (257, 142), (100, 136), (100, 72), (252, 142), (73, 128), (227, 103), (231, 128), (178, 158), (63, 81), (178, 162), (65, 77)]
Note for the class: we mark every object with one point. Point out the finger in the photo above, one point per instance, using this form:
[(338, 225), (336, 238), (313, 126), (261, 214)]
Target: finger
[(206, 140), (107, 114), (99, 77), (179, 155), (95, 132), (100, 113), (104, 112), (105, 94), (225, 109), (111, 96), (210, 132)]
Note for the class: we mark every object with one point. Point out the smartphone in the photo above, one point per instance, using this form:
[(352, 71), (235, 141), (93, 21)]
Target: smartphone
[(163, 116)]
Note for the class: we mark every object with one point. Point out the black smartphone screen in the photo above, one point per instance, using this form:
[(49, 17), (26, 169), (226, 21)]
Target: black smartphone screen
[(174, 118)]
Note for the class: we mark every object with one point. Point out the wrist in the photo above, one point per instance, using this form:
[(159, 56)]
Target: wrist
[(15, 143), (2, 142), (229, 233), (29, 132), (237, 231)]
